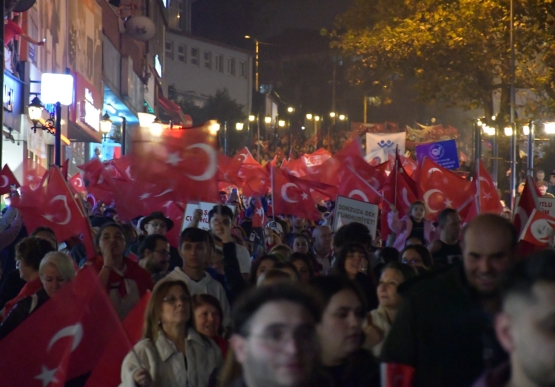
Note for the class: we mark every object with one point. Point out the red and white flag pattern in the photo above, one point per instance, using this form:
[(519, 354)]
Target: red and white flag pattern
[(539, 229)]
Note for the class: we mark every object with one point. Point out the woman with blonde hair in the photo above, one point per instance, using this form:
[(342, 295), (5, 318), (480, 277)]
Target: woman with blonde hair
[(172, 353), (55, 270)]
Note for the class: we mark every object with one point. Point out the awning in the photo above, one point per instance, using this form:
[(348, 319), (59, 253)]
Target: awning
[(175, 112)]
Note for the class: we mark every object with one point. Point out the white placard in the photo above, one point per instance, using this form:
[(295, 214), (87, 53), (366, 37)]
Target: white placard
[(349, 210), (205, 207), (547, 205)]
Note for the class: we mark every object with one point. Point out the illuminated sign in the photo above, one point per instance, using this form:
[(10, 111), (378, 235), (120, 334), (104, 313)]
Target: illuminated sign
[(91, 116), (158, 65), (9, 95)]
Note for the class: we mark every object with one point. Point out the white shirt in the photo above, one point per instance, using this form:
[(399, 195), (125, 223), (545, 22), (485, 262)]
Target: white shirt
[(207, 285), (244, 258), (166, 364)]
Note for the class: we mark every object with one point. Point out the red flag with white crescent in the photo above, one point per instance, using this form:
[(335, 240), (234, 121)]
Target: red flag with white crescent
[(539, 229), (8, 182), (67, 334)]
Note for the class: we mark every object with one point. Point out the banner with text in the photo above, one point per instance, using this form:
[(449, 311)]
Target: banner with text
[(443, 153), (379, 145), (205, 207), (547, 205), (349, 210)]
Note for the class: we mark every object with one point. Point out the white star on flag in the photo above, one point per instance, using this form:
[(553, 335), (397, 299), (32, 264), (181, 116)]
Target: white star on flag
[(47, 376), (173, 159), (448, 202), (487, 196), (304, 195), (144, 196), (30, 178)]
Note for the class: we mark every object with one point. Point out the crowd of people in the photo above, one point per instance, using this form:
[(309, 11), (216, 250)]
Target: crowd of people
[(300, 303)]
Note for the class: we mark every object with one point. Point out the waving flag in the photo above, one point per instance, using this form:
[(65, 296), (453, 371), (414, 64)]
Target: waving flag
[(539, 228), (292, 197), (8, 180)]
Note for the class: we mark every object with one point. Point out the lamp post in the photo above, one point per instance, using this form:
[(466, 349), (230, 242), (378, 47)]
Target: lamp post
[(252, 118), (512, 108), (123, 135), (56, 89), (290, 110)]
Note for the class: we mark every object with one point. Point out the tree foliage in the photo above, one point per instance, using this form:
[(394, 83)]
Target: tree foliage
[(454, 51), (218, 107)]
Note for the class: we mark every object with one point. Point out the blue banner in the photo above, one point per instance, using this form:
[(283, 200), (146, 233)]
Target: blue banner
[(442, 152)]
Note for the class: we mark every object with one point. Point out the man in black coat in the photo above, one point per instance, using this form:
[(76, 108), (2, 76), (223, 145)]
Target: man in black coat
[(444, 328)]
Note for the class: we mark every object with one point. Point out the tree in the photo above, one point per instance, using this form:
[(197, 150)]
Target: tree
[(454, 51), (218, 107)]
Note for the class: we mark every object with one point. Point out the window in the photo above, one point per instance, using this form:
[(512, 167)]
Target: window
[(176, 19), (219, 63), (243, 69), (231, 66), (208, 60), (194, 56), (169, 49), (182, 53)]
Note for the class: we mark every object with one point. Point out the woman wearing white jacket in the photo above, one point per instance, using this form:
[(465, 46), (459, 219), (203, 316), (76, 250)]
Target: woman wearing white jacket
[(171, 353)]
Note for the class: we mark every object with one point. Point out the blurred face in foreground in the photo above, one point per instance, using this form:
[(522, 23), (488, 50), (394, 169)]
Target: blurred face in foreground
[(280, 349)]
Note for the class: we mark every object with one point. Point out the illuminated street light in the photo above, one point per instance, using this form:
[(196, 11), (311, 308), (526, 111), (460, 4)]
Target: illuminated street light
[(309, 116), (290, 109), (252, 118), (239, 126), (281, 123), (213, 127), (342, 117), (316, 118), (508, 131), (332, 114), (268, 120), (549, 127), (526, 130)]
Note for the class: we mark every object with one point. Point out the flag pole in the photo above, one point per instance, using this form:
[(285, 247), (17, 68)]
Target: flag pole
[(273, 192), (370, 185), (396, 175), (478, 193)]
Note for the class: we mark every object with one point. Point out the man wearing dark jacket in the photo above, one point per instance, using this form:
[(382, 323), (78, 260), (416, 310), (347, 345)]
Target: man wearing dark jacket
[(444, 328)]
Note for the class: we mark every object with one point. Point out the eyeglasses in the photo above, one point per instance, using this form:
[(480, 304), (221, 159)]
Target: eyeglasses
[(278, 337), (164, 253), (157, 225), (173, 300), (412, 261)]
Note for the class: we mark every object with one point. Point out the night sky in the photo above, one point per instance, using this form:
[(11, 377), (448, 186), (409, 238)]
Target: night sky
[(228, 21)]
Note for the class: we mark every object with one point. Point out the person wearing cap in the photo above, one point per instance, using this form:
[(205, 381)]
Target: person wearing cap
[(272, 234), (157, 223)]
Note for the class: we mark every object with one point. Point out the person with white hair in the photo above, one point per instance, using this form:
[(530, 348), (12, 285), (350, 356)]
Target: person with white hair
[(56, 269)]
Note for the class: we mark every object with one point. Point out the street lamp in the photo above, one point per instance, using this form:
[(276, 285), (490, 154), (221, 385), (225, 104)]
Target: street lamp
[(290, 109), (549, 127), (268, 120), (105, 125), (239, 126), (56, 89), (508, 131), (281, 123), (309, 116), (332, 114), (156, 127), (342, 117), (252, 117), (213, 127)]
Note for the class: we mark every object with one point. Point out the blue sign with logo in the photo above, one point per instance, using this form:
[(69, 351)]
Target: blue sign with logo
[(442, 152)]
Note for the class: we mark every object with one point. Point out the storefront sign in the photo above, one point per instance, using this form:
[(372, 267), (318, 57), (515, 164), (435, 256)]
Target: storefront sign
[(92, 114)]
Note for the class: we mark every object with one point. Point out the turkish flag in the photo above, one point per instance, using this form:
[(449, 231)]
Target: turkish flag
[(291, 196), (539, 229), (352, 186), (65, 169), (297, 167), (174, 211), (52, 205), (258, 214), (489, 198), (123, 167), (9, 182), (186, 159), (67, 336), (441, 188), (248, 174), (316, 158), (107, 372), (396, 375), (400, 190), (76, 183), (141, 196), (99, 180), (528, 202), (33, 173)]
